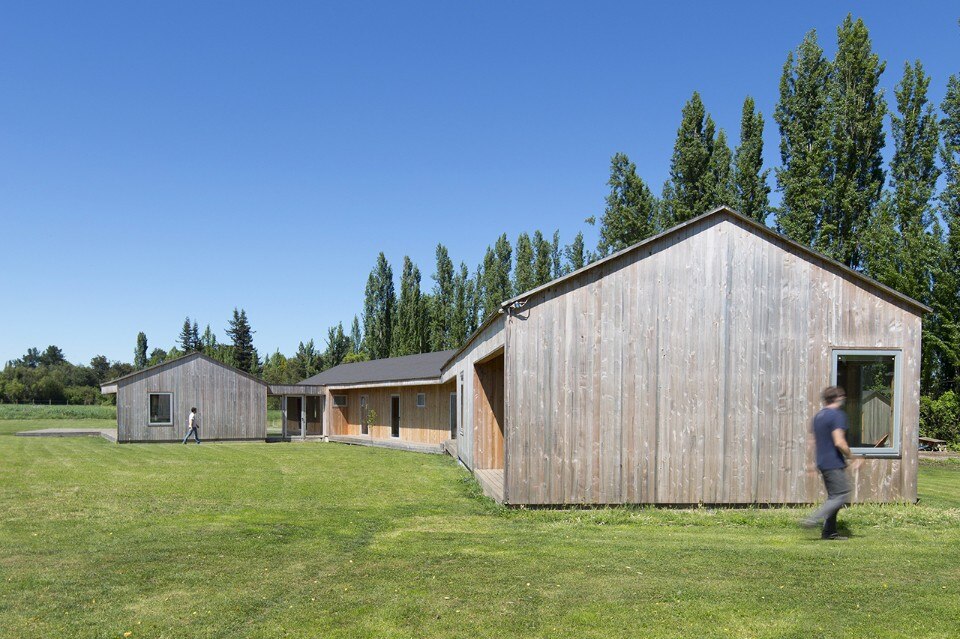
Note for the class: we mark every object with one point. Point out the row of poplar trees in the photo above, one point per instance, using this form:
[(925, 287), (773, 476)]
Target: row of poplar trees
[(893, 222)]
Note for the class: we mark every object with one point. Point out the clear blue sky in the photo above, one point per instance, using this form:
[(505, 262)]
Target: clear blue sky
[(162, 159)]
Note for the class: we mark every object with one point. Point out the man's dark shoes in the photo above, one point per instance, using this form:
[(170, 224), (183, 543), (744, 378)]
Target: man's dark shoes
[(834, 537)]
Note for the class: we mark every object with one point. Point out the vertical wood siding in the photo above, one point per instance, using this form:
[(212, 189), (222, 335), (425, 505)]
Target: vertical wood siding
[(689, 371), (427, 425), (230, 405)]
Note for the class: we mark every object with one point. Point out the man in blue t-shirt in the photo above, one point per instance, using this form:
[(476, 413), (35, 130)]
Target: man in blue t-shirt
[(830, 435)]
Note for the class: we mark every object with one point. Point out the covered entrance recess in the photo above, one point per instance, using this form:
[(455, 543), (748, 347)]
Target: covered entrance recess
[(302, 410), (488, 419)]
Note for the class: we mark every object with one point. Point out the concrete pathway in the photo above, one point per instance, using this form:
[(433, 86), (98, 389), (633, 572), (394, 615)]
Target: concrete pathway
[(110, 434)]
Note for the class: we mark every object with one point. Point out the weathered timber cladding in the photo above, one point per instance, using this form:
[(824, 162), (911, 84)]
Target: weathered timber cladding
[(688, 371), (231, 405), (487, 341), (427, 425), (488, 400)]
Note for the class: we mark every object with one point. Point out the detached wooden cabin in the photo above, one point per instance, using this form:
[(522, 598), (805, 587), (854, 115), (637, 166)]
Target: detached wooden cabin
[(153, 404), (399, 402), (686, 369)]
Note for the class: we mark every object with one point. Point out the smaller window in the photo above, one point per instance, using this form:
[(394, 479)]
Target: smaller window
[(161, 409), (340, 400), (421, 400)]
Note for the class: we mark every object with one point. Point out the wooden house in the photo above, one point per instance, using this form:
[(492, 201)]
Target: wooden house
[(153, 404), (686, 369), (399, 402)]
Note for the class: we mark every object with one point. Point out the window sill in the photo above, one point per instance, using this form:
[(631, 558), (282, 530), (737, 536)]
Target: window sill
[(160, 425), (876, 454)]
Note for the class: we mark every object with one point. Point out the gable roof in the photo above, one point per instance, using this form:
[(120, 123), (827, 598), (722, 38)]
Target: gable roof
[(391, 369), (182, 360), (762, 229)]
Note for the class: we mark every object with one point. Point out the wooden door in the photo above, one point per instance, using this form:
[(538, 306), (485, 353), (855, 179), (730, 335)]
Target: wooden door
[(314, 415), (394, 415), (294, 409)]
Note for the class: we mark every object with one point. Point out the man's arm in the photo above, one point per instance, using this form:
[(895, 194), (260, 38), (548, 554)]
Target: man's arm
[(840, 441)]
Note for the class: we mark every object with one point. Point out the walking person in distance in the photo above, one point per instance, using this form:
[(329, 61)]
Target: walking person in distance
[(193, 426)]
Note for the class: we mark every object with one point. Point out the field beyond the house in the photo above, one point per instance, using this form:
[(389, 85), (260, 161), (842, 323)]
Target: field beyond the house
[(327, 540)]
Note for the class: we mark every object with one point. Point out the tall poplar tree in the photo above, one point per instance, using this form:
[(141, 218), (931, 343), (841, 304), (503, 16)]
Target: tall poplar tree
[(208, 342), (631, 208), (378, 310), (720, 176), (495, 280), (575, 254), (856, 111), (693, 187), (523, 273), (750, 190), (410, 331), (459, 318), (356, 338), (442, 307), (556, 255), (945, 332), (338, 345), (140, 352), (801, 115), (543, 260)]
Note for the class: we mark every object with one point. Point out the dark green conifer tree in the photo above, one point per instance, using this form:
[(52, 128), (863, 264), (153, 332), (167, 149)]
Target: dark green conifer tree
[(186, 337), (244, 354)]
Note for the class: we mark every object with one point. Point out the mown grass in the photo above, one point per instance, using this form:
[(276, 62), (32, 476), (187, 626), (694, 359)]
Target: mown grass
[(44, 411), (325, 540)]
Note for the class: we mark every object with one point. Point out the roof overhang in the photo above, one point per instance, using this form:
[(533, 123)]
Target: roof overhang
[(427, 381), (294, 389)]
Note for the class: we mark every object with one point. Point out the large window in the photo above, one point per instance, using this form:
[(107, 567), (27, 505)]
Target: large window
[(339, 401), (872, 382), (161, 409)]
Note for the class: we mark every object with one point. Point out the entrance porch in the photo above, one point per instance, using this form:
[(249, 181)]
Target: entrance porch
[(301, 409)]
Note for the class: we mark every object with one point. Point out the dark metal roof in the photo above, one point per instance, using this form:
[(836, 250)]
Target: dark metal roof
[(391, 369)]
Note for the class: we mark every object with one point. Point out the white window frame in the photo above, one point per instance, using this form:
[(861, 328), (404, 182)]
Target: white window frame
[(337, 403), (894, 449), (153, 423), (419, 403)]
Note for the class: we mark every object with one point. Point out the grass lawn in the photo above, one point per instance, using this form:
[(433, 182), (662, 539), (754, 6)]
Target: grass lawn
[(327, 540)]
